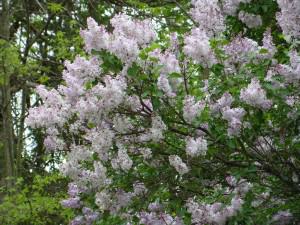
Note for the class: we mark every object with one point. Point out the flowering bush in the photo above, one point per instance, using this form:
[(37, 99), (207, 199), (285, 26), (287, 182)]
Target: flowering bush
[(201, 128)]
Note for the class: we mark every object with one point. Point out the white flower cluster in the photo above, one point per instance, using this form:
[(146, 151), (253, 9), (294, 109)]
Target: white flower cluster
[(196, 147), (169, 64), (122, 161), (197, 46), (178, 164), (164, 85), (210, 23), (191, 108), (255, 96), (167, 60), (208, 14)]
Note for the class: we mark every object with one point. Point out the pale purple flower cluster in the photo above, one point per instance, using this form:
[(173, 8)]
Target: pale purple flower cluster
[(291, 73), (215, 213), (191, 108), (225, 101), (51, 113), (197, 47), (234, 117), (95, 37), (264, 146), (210, 23), (115, 200), (126, 39), (196, 147), (240, 50), (74, 199), (157, 216), (169, 64), (178, 164), (218, 213), (167, 60), (282, 218), (230, 7), (251, 20), (155, 132), (71, 202), (164, 85), (89, 216), (208, 15), (122, 161), (288, 18), (139, 30), (268, 45), (158, 219), (255, 96)]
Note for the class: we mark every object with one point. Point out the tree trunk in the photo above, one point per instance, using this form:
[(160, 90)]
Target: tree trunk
[(20, 143), (6, 127)]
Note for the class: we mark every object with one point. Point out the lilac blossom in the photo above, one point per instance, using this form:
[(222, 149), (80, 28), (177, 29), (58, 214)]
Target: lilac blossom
[(208, 14), (178, 164), (234, 117), (255, 96), (197, 47), (230, 7), (191, 108), (196, 147), (251, 20), (288, 17)]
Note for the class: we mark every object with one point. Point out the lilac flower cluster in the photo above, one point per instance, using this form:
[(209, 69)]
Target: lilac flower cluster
[(255, 96), (251, 20), (230, 7), (288, 17), (128, 36), (195, 147), (217, 213)]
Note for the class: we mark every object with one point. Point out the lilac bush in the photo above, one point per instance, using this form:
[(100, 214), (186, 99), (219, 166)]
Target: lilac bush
[(179, 131)]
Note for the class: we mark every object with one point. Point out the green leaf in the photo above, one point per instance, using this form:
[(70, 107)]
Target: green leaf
[(43, 79), (55, 7)]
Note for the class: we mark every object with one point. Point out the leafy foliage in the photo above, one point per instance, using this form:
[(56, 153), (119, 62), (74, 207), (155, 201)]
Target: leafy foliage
[(37, 203)]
